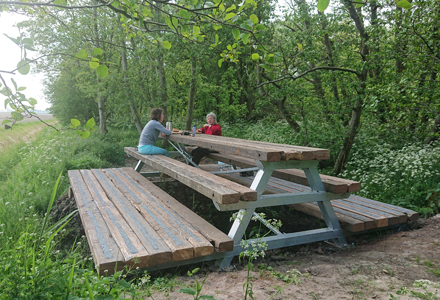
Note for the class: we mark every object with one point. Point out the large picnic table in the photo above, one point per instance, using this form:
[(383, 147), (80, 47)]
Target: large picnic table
[(269, 157)]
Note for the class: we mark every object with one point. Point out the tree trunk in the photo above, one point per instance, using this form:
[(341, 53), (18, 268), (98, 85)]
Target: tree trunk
[(133, 110), (100, 100), (192, 94)]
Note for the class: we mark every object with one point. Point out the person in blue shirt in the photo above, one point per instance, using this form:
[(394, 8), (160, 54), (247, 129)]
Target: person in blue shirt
[(151, 133)]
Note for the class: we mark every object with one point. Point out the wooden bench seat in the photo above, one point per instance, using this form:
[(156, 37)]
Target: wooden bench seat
[(332, 184), (130, 221), (218, 189), (355, 214)]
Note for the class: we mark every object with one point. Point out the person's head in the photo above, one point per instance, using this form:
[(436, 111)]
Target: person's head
[(211, 118), (156, 114)]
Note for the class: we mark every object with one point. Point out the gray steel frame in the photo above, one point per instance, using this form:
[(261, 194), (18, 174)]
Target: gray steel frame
[(247, 211)]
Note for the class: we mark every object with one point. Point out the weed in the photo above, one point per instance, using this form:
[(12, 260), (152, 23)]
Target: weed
[(195, 292)]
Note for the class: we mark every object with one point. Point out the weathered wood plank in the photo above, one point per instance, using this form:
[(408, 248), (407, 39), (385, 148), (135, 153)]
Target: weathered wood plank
[(411, 215), (159, 252), (331, 184), (379, 219), (400, 216), (131, 248), (178, 233), (105, 251), (289, 152), (238, 148), (224, 192), (222, 242)]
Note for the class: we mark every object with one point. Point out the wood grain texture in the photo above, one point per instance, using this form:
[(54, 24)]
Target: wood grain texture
[(220, 240), (220, 190), (130, 246), (105, 251), (331, 184), (146, 192)]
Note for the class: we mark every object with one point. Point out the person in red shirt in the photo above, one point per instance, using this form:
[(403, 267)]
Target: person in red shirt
[(212, 128)]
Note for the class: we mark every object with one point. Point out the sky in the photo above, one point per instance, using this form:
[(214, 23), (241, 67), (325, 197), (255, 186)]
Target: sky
[(10, 56)]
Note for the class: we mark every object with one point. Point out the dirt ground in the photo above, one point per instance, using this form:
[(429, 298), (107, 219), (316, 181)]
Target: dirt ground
[(388, 264), (382, 265)]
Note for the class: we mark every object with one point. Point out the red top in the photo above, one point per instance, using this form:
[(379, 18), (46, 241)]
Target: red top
[(213, 130)]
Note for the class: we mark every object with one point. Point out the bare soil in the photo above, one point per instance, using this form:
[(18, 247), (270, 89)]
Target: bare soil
[(386, 264)]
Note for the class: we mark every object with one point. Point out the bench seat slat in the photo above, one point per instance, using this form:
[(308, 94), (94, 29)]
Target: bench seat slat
[(105, 251), (172, 226), (220, 190), (220, 240), (331, 184), (158, 251), (130, 246)]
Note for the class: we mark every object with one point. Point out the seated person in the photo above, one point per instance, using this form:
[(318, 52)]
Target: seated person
[(211, 128), (150, 134)]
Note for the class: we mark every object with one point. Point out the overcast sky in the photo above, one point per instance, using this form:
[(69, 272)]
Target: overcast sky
[(10, 56)]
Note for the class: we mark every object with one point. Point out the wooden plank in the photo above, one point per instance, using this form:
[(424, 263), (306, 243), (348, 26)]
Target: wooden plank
[(172, 218), (221, 241), (179, 235), (400, 216), (379, 220), (348, 220), (289, 152), (239, 148), (131, 248), (199, 180), (331, 184), (159, 252), (411, 215), (105, 251)]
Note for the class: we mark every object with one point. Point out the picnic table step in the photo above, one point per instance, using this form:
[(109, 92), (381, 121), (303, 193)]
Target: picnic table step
[(130, 221), (218, 189), (331, 184), (355, 214)]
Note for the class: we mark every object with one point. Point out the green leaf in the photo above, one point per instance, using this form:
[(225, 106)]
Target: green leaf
[(245, 38), (23, 67), (102, 71), (169, 23), (323, 4), (175, 22), (14, 83), (200, 38), (115, 4), (90, 123), (404, 4), (220, 61), (188, 291), (231, 8), (6, 121), (82, 54), (166, 45), (229, 16), (217, 27), (196, 30), (255, 56), (75, 122), (207, 297), (94, 63), (216, 38), (254, 19), (236, 33), (260, 27), (16, 41), (300, 47), (17, 116), (84, 135), (27, 41), (184, 14), (32, 101), (97, 51), (124, 284), (60, 2), (245, 26)]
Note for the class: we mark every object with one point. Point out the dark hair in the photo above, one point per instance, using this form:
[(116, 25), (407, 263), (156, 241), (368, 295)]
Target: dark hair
[(155, 114)]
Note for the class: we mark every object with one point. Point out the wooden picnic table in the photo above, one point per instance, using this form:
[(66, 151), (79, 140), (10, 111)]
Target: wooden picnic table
[(269, 157)]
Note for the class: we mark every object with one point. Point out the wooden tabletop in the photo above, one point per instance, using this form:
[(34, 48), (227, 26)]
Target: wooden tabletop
[(262, 151)]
